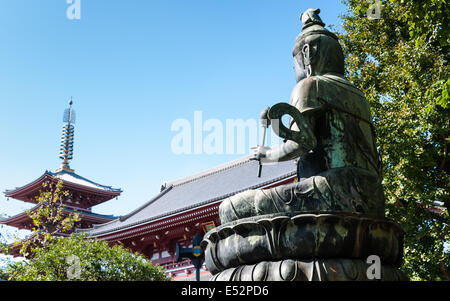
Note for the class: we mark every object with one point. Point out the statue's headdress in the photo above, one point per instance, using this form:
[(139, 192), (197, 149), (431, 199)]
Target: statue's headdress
[(312, 24)]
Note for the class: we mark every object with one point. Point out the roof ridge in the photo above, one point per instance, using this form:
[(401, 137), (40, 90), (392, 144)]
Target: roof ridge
[(210, 171), (125, 217)]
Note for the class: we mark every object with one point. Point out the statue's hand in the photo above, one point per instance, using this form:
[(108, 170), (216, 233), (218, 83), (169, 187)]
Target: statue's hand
[(260, 152), (264, 118)]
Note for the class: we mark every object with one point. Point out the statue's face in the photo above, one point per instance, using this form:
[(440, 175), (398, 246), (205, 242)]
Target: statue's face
[(299, 68), (317, 54), (306, 57)]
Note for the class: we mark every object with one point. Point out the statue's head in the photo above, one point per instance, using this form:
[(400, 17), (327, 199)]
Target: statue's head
[(317, 50)]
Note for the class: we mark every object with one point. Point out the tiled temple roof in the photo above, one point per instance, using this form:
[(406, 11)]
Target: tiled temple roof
[(200, 189)]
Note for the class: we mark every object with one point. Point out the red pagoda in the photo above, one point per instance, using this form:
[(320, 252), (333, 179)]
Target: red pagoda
[(83, 194)]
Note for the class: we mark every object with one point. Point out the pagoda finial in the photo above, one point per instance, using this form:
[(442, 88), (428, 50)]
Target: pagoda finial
[(66, 150)]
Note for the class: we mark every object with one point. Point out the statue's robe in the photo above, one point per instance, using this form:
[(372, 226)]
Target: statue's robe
[(342, 171)]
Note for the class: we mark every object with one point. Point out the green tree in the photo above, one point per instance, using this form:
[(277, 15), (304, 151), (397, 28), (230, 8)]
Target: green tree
[(49, 218), (400, 62), (78, 258)]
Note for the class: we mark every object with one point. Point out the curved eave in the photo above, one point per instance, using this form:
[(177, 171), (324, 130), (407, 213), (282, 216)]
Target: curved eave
[(20, 193), (21, 218), (33, 188), (16, 220)]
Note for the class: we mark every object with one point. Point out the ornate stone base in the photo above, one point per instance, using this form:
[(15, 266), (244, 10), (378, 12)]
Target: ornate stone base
[(308, 270), (303, 246)]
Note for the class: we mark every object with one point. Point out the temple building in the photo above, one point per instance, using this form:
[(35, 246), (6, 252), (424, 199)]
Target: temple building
[(83, 194), (187, 207)]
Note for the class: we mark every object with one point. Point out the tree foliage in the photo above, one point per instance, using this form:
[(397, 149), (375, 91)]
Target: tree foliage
[(49, 218), (400, 62), (95, 260)]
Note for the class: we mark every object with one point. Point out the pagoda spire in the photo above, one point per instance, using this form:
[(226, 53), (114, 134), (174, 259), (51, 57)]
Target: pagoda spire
[(66, 150)]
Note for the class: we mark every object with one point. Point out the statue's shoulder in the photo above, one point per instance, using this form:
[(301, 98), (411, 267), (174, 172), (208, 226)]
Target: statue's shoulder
[(338, 92), (316, 92), (336, 82), (304, 95)]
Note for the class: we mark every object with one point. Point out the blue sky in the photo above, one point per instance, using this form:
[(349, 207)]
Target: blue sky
[(133, 67)]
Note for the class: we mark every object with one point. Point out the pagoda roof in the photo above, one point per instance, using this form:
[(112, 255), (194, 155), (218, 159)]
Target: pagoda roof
[(79, 180), (84, 214), (70, 179), (198, 190)]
